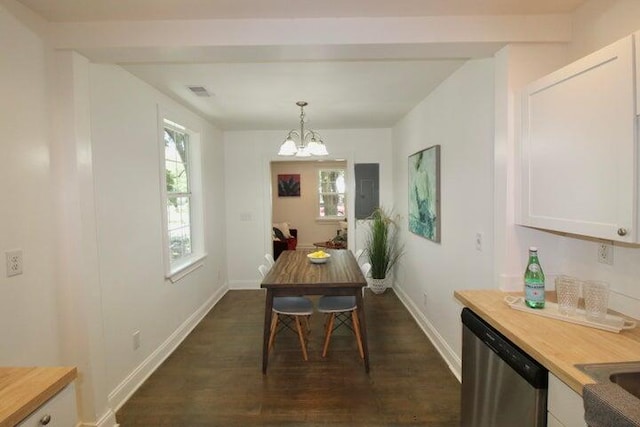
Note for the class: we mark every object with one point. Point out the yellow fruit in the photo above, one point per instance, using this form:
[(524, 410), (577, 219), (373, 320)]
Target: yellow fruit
[(318, 254)]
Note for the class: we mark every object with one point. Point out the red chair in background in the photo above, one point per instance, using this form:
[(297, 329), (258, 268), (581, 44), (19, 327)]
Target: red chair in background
[(286, 244)]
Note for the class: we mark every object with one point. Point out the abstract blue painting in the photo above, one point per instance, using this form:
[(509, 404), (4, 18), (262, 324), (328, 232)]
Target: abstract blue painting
[(424, 193)]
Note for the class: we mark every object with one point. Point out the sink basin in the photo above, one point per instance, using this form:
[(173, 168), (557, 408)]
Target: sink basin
[(630, 381), (624, 374), (615, 398)]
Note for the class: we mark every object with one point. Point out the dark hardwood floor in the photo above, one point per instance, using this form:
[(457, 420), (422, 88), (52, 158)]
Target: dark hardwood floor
[(214, 378)]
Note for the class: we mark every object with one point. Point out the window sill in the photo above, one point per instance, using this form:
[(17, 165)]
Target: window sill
[(187, 267)]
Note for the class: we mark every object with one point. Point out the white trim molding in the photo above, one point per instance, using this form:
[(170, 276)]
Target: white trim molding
[(108, 419), (244, 284), (447, 353), (134, 380)]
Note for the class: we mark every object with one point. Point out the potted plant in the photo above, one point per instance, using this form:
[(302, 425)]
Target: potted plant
[(381, 248)]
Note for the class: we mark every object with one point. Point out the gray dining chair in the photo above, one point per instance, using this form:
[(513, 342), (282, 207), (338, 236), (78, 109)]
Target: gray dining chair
[(270, 260), (340, 308), (263, 269), (297, 309)]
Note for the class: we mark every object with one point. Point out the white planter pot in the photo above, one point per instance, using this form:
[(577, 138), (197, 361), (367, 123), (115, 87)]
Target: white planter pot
[(378, 286)]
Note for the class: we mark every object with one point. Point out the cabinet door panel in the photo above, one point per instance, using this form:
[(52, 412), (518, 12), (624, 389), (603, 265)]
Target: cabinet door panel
[(564, 404), (578, 147)]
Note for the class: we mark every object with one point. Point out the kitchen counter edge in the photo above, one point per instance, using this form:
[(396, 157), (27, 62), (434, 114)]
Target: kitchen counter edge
[(25, 389), (557, 345)]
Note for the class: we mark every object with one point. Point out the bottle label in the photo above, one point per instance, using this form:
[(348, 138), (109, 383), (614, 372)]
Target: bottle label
[(534, 268), (534, 292)]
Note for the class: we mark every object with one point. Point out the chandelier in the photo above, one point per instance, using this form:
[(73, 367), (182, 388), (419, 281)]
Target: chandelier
[(309, 142)]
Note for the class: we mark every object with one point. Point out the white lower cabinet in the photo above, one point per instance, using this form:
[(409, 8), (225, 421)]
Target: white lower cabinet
[(564, 405), (59, 411), (553, 421)]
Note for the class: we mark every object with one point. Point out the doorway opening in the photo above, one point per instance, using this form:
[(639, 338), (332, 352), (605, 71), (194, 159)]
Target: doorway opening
[(312, 197)]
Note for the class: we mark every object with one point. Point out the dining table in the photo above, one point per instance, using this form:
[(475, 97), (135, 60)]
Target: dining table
[(294, 274)]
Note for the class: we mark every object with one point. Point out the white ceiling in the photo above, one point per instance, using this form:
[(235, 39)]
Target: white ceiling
[(341, 94), (256, 87)]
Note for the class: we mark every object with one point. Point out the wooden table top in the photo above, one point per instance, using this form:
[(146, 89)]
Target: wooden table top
[(557, 345), (293, 268), (23, 390)]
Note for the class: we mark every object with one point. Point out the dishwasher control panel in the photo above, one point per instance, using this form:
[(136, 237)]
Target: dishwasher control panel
[(531, 370)]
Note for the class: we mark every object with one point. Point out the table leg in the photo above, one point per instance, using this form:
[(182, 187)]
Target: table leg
[(268, 306), (363, 328)]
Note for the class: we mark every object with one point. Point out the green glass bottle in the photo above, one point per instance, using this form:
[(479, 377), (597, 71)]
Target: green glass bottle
[(534, 281)]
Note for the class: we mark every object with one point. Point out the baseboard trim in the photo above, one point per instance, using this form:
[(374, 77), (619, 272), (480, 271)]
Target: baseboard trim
[(445, 350), (134, 380), (244, 284), (108, 419)]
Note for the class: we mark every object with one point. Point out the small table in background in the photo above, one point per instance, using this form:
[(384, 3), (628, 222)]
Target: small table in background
[(330, 244)]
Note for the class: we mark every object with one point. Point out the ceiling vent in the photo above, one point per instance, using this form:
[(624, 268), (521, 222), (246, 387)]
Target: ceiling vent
[(199, 91)]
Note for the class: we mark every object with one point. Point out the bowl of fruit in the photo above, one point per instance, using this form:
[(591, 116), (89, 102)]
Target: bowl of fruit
[(318, 257)]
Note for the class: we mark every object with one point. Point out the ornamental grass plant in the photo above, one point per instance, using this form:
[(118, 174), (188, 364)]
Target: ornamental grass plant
[(381, 243)]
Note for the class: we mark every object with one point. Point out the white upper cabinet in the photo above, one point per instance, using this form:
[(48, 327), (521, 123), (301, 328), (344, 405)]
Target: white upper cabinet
[(577, 150)]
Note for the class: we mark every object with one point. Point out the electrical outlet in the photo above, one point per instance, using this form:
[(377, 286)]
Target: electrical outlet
[(136, 340), (479, 241), (605, 253), (14, 262), (424, 299)]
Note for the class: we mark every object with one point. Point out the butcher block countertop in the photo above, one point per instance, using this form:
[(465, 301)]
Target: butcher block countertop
[(557, 345), (23, 390)]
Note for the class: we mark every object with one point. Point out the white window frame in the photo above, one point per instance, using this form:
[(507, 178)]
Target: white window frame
[(332, 218), (177, 269)]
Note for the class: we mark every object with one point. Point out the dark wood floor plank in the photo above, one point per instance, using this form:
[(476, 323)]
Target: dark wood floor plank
[(214, 377)]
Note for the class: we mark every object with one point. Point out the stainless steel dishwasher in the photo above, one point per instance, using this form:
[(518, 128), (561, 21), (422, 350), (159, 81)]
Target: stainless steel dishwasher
[(501, 385)]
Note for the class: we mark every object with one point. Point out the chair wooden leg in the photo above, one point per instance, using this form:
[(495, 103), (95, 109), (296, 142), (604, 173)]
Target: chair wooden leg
[(356, 330), (307, 321), (274, 326), (302, 340), (327, 335)]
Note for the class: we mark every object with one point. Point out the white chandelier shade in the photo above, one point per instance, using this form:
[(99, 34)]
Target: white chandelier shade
[(308, 142)]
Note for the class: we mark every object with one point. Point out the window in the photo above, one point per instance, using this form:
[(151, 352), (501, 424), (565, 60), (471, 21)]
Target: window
[(331, 194), (176, 158), (182, 204)]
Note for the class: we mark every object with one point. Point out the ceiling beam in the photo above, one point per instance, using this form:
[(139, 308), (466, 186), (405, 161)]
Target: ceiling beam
[(338, 38)]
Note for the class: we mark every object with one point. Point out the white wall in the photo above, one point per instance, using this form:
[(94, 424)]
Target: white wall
[(135, 295), (28, 302), (54, 143), (248, 196), (597, 24), (458, 115), (440, 269), (516, 65)]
